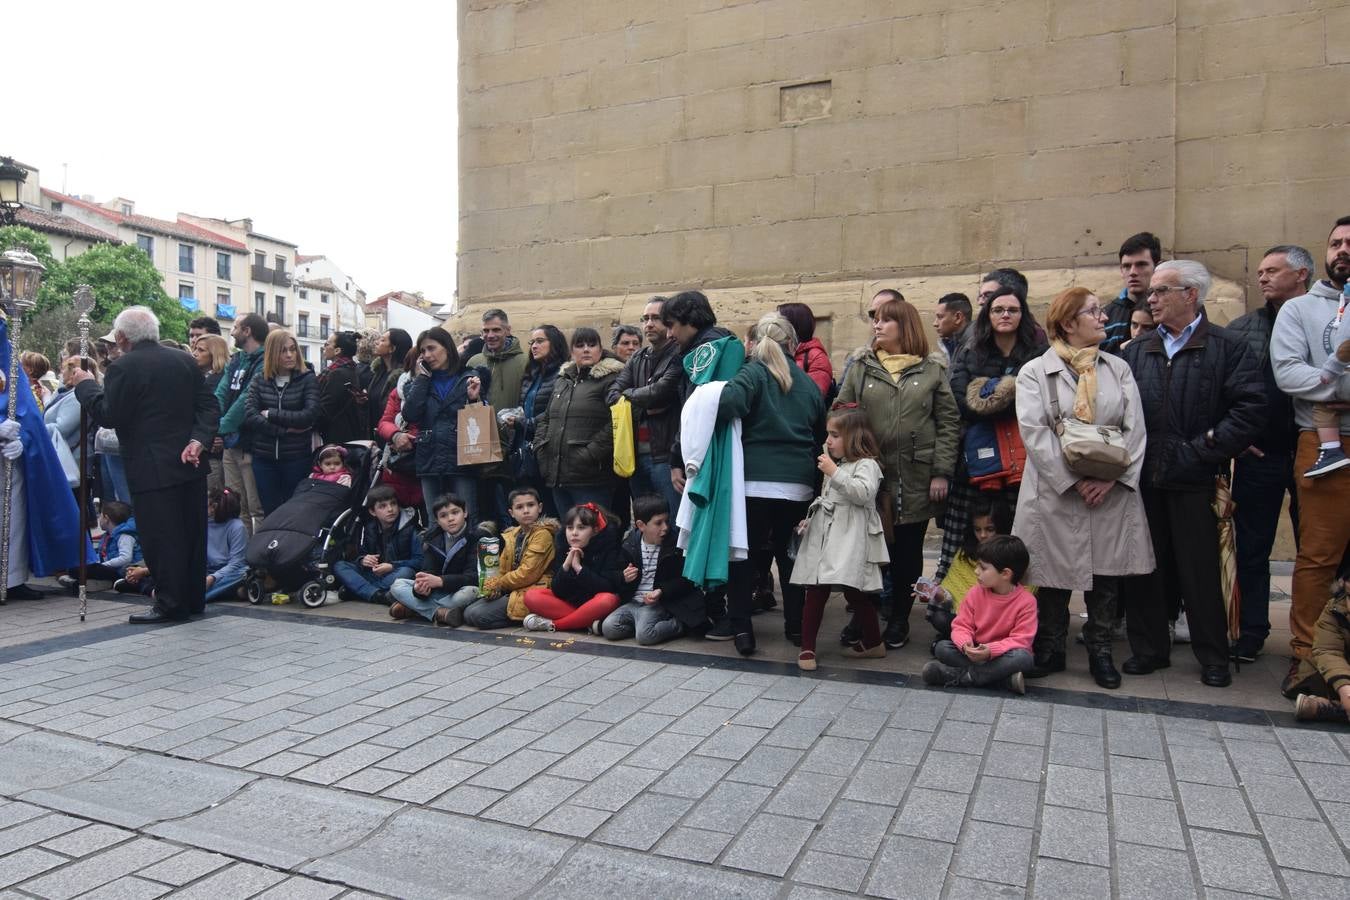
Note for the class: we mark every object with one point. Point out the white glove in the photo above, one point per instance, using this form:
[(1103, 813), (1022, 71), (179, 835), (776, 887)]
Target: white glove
[(9, 429), (12, 449)]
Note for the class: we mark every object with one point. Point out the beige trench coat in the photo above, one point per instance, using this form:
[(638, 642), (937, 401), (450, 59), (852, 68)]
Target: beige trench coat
[(1068, 542), (844, 544)]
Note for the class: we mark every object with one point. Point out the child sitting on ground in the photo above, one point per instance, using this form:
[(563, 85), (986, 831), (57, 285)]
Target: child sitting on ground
[(587, 577), (1327, 420), (389, 549), (447, 580), (660, 603), (988, 516), (995, 625), (526, 562), (117, 549), (1325, 674), (226, 539), (843, 544), (331, 466)]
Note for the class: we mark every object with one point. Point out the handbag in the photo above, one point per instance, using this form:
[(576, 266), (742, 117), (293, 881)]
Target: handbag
[(625, 456), (1090, 450)]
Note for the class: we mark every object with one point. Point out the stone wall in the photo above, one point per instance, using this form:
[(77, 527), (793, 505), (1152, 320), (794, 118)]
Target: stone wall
[(610, 149)]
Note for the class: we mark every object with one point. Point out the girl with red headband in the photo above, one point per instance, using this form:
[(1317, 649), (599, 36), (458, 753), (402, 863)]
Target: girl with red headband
[(588, 577)]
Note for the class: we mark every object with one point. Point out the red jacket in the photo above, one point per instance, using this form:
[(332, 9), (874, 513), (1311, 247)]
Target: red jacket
[(815, 362), (1000, 622)]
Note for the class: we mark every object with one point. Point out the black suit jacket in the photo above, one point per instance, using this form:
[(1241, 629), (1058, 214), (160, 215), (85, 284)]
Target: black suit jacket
[(157, 401)]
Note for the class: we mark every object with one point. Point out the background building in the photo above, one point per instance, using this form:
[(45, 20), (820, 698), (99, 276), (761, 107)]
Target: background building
[(403, 309), (327, 299), (795, 149)]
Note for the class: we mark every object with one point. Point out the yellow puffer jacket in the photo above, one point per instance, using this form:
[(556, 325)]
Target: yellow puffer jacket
[(1330, 656), (534, 568)]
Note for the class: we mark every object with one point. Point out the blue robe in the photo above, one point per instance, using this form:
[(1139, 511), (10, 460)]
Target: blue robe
[(53, 521)]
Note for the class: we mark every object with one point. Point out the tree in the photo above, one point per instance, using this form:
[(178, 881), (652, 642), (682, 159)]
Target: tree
[(121, 276), (24, 238)]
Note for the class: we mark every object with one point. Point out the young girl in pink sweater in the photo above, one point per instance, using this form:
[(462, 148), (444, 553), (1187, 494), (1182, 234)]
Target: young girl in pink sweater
[(995, 625)]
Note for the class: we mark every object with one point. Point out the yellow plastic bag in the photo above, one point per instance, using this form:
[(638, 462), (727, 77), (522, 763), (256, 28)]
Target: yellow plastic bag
[(625, 447)]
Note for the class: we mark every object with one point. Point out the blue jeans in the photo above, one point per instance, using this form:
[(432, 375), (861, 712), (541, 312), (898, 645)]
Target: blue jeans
[(363, 582), (653, 477), (276, 480), (995, 671), (466, 486), (115, 478), (649, 623), (1259, 486), (426, 607), (568, 497), (224, 590)]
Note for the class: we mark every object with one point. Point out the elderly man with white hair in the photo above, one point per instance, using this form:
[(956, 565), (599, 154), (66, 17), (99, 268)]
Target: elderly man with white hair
[(1204, 403), (156, 399)]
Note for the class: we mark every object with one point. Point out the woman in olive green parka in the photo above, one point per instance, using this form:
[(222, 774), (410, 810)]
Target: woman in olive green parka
[(903, 391)]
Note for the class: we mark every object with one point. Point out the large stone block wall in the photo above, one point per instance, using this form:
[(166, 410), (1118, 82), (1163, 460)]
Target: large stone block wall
[(610, 149)]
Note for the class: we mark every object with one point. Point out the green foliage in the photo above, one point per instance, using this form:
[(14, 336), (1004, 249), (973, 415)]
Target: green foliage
[(25, 238)]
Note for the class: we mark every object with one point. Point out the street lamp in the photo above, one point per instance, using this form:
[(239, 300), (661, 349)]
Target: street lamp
[(11, 177), (20, 278)]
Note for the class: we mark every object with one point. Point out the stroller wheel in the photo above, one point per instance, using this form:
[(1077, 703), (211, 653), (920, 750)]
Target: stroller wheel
[(254, 589), (312, 594), (329, 580)]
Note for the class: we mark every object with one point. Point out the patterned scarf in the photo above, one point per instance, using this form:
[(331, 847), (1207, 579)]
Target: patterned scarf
[(1083, 361)]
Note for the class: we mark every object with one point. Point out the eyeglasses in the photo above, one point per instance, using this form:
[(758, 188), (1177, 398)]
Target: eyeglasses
[(1095, 312), (1165, 289), (1005, 311), (650, 319)]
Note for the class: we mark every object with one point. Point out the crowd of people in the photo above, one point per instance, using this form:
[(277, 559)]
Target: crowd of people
[(1091, 451)]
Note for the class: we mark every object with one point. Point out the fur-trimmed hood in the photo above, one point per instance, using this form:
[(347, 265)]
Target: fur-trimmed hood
[(607, 366), (1001, 398)]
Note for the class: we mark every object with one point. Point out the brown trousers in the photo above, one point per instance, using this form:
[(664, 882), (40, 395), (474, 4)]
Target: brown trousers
[(1324, 533)]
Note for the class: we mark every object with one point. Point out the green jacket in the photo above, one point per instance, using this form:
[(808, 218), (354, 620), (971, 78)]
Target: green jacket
[(781, 434), (916, 423), (574, 439), (235, 381), (507, 366)]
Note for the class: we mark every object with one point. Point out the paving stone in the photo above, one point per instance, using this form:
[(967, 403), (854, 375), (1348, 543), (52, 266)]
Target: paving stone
[(1006, 802), (806, 794), (898, 745), (95, 871), (860, 724), (829, 870), (693, 844), (1321, 887), (533, 800), (185, 867), (764, 713), (515, 770), (37, 831), (643, 822), (1076, 788), (910, 869), (301, 889), (798, 732), (768, 844), (569, 736), (1202, 765), (732, 742), (1080, 750), (936, 815), (949, 772), (676, 703), (921, 711), (975, 708), (591, 761), (280, 823), (370, 781), (853, 829), (467, 799), (1030, 730), (962, 737), (1257, 757), (990, 852), (835, 755), (1020, 761), (729, 806), (694, 776), (878, 782), (245, 755), (418, 756), (1076, 720), (1134, 740), (282, 764), (87, 840), (1142, 820), (27, 863), (1152, 873), (235, 883), (39, 760), (1234, 862), (1141, 777), (1280, 796), (1219, 808), (432, 781), (12, 812), (128, 887), (616, 787), (574, 821), (1056, 879), (629, 874), (1326, 782), (1304, 844), (615, 710), (1311, 746), (497, 747), (1076, 835), (1338, 814)]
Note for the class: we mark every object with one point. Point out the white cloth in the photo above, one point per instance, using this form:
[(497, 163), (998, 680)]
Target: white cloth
[(69, 467), (779, 490), (698, 421)]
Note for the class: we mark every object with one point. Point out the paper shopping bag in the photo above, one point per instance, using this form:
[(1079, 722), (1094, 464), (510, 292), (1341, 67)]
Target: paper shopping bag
[(477, 442)]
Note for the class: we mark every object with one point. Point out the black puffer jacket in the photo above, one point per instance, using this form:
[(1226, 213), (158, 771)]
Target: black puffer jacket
[(438, 420), (574, 439), (342, 406), (973, 363), (651, 381), (1281, 435), (602, 563), (535, 407), (295, 405), (1212, 383)]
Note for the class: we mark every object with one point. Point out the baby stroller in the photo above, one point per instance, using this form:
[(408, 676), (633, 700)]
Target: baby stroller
[(294, 549)]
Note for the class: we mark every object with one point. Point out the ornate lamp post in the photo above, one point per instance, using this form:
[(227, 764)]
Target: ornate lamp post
[(11, 178), (83, 303), (20, 278)]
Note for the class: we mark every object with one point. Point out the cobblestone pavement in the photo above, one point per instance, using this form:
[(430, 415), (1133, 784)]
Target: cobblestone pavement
[(243, 755)]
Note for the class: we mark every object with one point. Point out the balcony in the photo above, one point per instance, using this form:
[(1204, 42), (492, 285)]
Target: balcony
[(281, 277), (262, 273)]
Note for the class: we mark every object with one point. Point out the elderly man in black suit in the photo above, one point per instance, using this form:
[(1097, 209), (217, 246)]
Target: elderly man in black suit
[(164, 415)]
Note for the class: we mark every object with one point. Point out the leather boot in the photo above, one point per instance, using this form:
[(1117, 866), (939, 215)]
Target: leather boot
[(1103, 669), (1047, 665)]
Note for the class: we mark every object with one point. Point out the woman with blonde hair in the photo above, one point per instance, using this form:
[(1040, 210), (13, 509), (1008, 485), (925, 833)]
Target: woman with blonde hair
[(1081, 517), (212, 353), (782, 431), (280, 410)]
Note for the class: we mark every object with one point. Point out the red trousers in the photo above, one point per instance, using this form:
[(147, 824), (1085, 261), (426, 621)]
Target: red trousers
[(566, 617)]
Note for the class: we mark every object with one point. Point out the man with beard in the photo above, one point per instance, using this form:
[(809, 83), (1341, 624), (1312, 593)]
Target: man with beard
[(1299, 345), (651, 380)]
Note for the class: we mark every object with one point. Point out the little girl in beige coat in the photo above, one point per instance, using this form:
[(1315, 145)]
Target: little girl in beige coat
[(842, 543)]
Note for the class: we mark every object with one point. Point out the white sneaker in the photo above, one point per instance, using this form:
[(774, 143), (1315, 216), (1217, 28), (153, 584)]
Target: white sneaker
[(1182, 630), (537, 623), (595, 628)]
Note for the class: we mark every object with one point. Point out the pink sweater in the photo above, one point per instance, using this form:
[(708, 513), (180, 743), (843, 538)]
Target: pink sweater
[(1000, 622)]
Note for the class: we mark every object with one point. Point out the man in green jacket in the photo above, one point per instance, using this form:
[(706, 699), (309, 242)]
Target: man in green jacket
[(503, 356), (249, 334)]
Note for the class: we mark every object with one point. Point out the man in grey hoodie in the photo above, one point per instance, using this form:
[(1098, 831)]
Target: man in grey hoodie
[(1299, 346)]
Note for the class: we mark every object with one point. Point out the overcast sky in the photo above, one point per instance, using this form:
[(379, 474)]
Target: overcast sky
[(331, 124)]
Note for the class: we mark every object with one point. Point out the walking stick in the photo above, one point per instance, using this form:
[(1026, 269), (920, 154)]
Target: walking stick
[(84, 302), (20, 277)]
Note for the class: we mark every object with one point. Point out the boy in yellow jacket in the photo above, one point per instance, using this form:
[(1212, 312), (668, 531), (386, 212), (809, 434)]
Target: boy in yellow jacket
[(526, 562)]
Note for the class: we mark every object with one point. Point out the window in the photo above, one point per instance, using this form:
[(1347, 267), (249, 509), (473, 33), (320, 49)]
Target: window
[(323, 328), (260, 259), (146, 243), (281, 264), (185, 258), (302, 326), (304, 353), (259, 302), (323, 298), (304, 295), (57, 206), (222, 296), (281, 308), (186, 291), (126, 209), (223, 266)]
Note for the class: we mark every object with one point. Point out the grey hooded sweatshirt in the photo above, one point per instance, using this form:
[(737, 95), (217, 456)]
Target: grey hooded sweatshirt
[(1300, 344)]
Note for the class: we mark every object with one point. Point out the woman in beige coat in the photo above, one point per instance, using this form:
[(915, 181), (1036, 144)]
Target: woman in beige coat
[(1082, 533)]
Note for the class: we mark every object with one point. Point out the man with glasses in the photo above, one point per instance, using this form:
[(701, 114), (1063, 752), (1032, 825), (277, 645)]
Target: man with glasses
[(651, 381), (1203, 404), (1139, 256)]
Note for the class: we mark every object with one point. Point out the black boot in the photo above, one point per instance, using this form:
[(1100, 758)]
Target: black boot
[(1047, 665), (897, 632), (1103, 669)]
